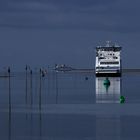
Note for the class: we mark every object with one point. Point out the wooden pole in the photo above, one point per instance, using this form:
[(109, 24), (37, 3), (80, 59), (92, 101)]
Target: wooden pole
[(31, 86), (9, 81), (40, 87), (9, 120)]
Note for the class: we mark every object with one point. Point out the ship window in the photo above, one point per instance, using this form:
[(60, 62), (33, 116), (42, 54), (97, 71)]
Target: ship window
[(109, 62), (101, 58)]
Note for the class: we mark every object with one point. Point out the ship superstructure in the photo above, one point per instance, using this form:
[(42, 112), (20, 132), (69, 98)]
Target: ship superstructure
[(108, 60)]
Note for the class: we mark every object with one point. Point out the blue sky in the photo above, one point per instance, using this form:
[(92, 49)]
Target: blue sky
[(45, 32)]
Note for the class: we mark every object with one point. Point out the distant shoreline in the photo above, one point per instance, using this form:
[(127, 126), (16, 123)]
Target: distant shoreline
[(93, 70)]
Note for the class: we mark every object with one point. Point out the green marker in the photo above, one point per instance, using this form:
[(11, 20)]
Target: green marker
[(122, 99), (107, 82)]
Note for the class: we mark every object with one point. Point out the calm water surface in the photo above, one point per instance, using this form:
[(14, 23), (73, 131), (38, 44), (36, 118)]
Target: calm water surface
[(69, 106)]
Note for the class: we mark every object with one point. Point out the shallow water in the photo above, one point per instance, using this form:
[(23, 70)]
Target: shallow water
[(69, 106)]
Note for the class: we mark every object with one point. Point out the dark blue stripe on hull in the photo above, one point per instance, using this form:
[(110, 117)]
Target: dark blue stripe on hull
[(108, 74)]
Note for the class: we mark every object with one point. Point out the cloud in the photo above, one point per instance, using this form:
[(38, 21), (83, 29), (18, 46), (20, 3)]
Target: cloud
[(81, 3), (109, 15)]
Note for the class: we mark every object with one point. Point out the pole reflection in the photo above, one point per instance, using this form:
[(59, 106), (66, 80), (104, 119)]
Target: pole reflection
[(108, 93)]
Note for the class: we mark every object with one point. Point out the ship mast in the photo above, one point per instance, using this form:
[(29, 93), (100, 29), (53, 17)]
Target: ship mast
[(108, 43)]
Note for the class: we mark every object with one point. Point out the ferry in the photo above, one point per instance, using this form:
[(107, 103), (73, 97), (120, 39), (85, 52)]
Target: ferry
[(62, 68), (108, 60)]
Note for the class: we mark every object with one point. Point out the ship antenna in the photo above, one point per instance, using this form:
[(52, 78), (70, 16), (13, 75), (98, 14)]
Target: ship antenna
[(116, 45), (108, 43)]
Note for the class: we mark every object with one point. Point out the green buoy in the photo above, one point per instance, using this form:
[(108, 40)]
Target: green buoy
[(122, 99), (107, 82)]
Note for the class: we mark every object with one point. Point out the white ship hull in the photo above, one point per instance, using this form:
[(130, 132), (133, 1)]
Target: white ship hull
[(108, 61)]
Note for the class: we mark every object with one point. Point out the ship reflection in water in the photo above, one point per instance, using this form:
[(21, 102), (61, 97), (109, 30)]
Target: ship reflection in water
[(108, 93)]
